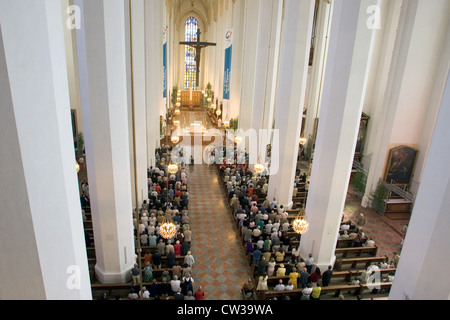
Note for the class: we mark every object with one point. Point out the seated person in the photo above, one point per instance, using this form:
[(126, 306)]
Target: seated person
[(280, 286)]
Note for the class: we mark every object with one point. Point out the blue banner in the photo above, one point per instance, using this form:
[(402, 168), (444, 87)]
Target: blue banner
[(227, 69), (165, 62)]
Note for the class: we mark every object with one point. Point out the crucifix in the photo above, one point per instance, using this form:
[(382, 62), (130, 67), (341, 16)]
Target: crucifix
[(198, 45)]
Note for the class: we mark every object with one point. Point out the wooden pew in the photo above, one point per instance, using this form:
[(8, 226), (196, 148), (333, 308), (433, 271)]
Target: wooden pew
[(375, 287), (357, 251), (355, 261)]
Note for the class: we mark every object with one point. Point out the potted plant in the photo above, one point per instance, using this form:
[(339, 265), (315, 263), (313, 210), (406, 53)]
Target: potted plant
[(377, 198), (174, 95)]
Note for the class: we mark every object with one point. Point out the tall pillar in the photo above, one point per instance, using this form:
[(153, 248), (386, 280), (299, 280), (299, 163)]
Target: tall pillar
[(236, 62), (349, 55), (266, 62), (292, 78), (139, 100), (72, 66), (313, 100), (153, 44), (101, 43), (41, 229), (248, 62), (428, 227)]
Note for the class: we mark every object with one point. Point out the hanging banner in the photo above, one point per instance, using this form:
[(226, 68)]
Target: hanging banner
[(165, 62), (227, 70)]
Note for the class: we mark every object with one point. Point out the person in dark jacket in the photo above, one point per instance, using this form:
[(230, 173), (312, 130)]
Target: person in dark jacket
[(326, 277)]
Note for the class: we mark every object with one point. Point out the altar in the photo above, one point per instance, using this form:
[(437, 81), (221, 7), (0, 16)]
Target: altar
[(191, 98)]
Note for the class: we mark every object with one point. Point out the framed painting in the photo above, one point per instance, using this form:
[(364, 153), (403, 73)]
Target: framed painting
[(400, 165)]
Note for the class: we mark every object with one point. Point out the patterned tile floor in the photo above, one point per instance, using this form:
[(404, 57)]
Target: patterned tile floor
[(220, 266), (386, 233)]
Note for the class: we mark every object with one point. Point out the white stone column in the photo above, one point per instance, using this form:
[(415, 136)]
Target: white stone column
[(72, 62), (139, 100), (266, 72), (291, 87), (153, 43), (236, 63), (428, 234), (101, 43), (41, 229), (248, 63), (317, 69), (348, 61)]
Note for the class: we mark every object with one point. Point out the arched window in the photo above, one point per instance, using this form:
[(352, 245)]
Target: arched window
[(190, 67)]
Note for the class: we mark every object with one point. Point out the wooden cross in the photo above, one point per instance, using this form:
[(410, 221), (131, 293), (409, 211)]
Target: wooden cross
[(198, 45)]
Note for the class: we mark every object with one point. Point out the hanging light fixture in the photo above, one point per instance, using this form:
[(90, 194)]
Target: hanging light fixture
[(209, 99), (237, 139), (218, 112), (167, 229), (175, 139), (176, 123), (300, 224), (172, 168), (77, 165), (226, 123), (258, 167), (176, 111), (303, 140)]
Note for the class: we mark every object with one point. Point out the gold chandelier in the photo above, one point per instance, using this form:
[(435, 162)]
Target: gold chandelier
[(300, 224), (172, 168), (258, 167), (303, 140), (175, 139), (167, 229)]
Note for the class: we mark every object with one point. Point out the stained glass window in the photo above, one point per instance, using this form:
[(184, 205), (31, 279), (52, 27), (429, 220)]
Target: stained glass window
[(190, 67)]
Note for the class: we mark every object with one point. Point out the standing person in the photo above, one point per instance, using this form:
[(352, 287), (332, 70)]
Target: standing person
[(360, 220), (176, 270), (189, 283), (161, 247), (293, 276), (256, 255), (148, 273), (164, 288), (309, 263), (175, 284), (262, 283), (177, 248), (157, 260), (189, 259), (171, 259), (315, 294), (326, 277), (271, 267), (306, 292), (135, 274), (315, 276), (281, 271), (304, 278), (262, 266), (199, 294)]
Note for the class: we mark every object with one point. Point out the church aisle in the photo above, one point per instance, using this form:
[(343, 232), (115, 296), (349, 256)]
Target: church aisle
[(220, 266)]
